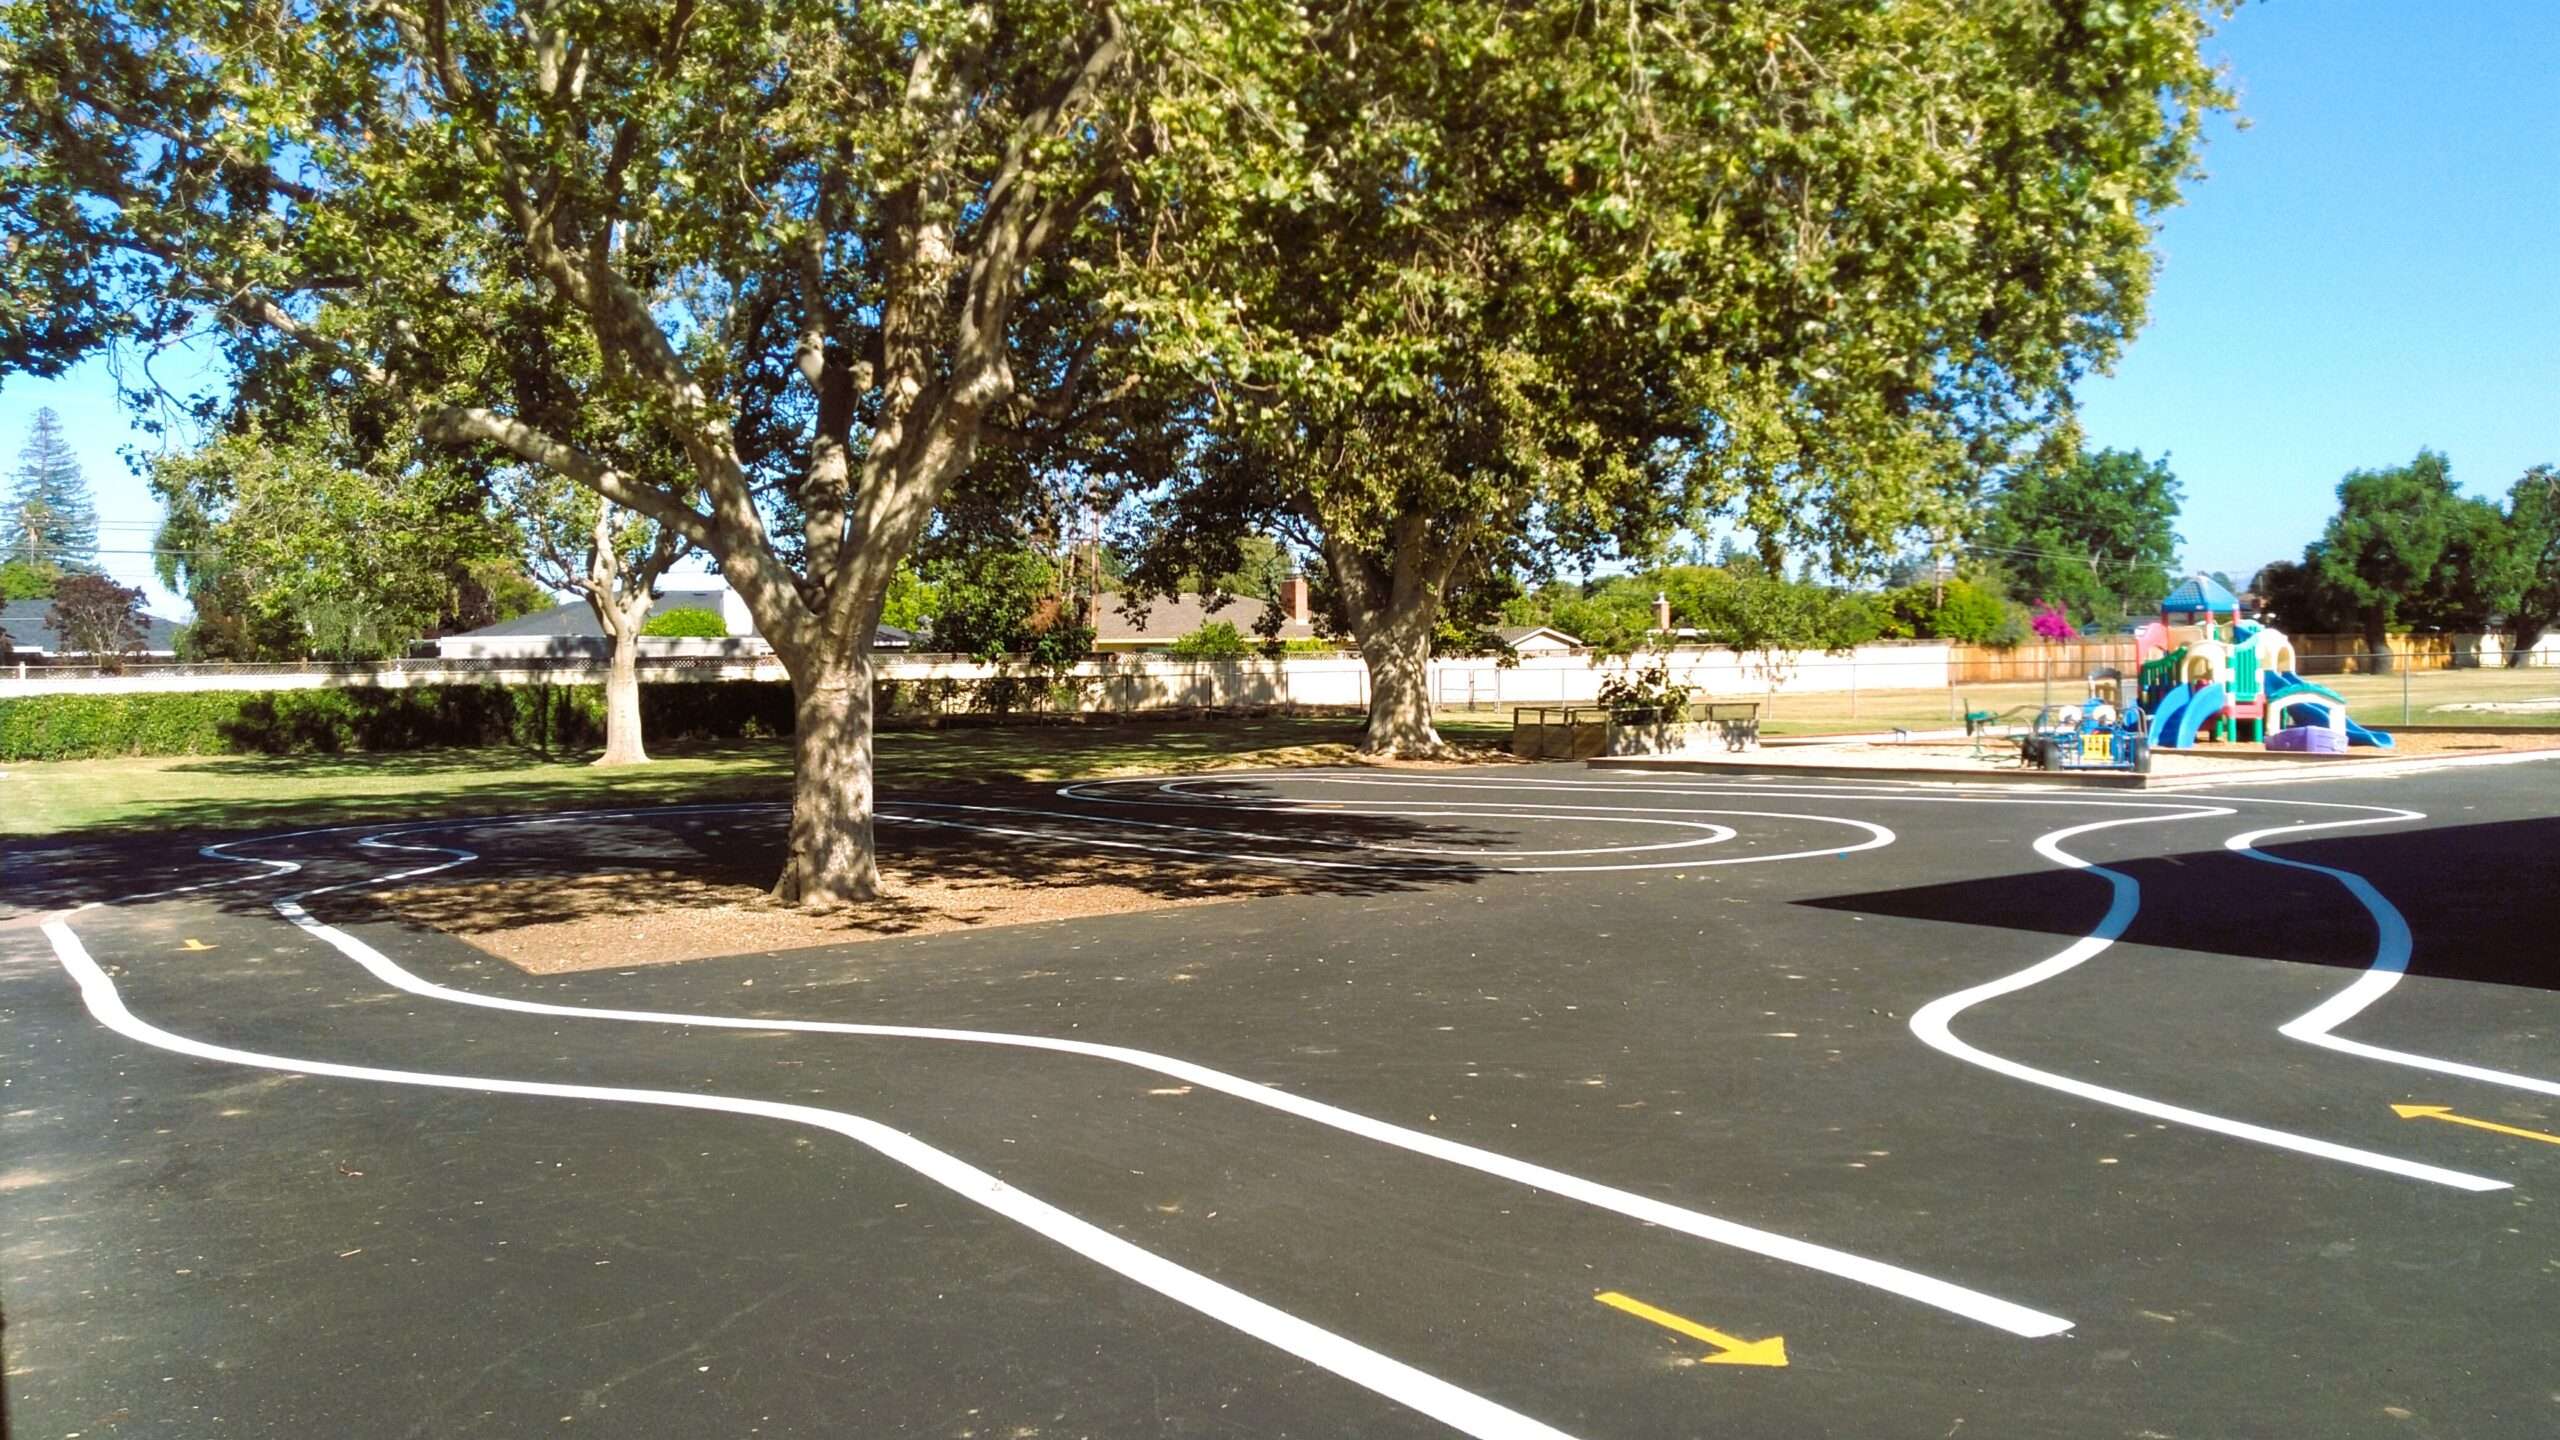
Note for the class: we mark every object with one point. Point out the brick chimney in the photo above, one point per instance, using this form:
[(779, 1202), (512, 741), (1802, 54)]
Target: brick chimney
[(1661, 612), (1293, 600)]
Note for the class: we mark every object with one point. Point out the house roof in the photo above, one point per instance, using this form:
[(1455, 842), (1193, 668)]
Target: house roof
[(1513, 634), (30, 631), (575, 621), (1171, 619), (2199, 594)]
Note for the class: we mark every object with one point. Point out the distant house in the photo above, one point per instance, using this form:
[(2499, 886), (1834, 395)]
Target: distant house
[(1537, 640), (572, 629), (1117, 630), (31, 634)]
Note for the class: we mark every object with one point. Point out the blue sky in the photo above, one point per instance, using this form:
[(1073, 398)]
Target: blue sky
[(2371, 265)]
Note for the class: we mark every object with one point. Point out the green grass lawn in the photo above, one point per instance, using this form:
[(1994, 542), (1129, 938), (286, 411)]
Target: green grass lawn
[(256, 792), (2374, 700)]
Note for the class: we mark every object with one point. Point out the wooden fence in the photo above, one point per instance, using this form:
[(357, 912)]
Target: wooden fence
[(2318, 654), (2062, 660), (2353, 655)]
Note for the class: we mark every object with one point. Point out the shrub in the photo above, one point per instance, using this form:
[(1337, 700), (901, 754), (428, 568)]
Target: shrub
[(291, 722), (1643, 695), (1217, 640), (26, 580), (1972, 613), (689, 621)]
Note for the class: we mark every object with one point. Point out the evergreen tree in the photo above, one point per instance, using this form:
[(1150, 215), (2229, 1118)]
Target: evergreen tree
[(50, 521)]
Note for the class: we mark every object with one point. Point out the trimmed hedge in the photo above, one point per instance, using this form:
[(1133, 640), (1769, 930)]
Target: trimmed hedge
[(290, 722), (687, 620)]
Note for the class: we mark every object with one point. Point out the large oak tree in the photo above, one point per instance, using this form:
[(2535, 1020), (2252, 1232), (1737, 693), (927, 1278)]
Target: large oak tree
[(1580, 270), (803, 239)]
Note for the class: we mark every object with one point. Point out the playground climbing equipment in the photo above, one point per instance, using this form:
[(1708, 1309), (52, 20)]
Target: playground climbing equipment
[(2209, 673)]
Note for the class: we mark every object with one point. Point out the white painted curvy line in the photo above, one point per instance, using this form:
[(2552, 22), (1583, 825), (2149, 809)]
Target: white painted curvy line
[(2390, 962), (1714, 835), (2364, 770), (1930, 1023), (1892, 1279), (1461, 1410), (1877, 835)]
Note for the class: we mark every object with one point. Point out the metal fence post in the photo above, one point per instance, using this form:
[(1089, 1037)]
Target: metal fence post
[(2404, 692), (1853, 687)]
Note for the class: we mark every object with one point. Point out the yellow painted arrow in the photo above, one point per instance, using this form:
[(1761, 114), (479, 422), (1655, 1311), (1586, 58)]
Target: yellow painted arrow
[(1729, 1350), (194, 944), (2445, 1113)]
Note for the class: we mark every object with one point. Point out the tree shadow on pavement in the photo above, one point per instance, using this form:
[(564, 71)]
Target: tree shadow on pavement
[(664, 884), (2478, 900)]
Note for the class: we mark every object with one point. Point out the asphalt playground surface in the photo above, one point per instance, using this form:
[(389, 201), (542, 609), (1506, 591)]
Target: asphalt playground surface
[(1993, 1113)]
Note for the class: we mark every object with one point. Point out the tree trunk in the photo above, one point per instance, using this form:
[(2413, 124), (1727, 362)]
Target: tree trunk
[(2377, 640), (1399, 661), (1393, 603), (623, 741), (831, 863)]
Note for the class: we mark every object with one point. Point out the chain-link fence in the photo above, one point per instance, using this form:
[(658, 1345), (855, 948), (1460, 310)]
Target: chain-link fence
[(359, 671), (1878, 687), (1881, 690)]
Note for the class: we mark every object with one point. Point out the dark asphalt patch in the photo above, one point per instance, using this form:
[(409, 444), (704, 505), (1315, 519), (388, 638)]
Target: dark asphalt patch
[(1732, 1039)]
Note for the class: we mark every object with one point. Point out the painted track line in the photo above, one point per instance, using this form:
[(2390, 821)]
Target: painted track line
[(1875, 1274), (1930, 1022), (2390, 962), (1461, 1410), (2314, 1027)]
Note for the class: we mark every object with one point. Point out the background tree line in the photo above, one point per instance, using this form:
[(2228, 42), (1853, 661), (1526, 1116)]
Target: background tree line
[(1448, 296), (49, 551), (2407, 551)]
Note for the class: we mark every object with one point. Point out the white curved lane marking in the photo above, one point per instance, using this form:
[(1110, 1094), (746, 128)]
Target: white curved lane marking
[(1930, 1022), (1461, 1410), (1937, 1014), (2313, 1027), (1447, 810), (1875, 1274), (2390, 961)]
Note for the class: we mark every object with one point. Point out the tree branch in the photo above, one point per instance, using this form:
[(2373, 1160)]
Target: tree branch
[(463, 426)]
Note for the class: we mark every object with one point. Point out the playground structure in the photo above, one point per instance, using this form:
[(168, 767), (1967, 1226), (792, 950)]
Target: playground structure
[(2210, 673), (2103, 732)]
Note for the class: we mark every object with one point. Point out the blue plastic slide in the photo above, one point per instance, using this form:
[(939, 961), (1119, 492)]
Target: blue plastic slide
[(2309, 714), (2305, 713), (2281, 683), (2164, 720), (2203, 707)]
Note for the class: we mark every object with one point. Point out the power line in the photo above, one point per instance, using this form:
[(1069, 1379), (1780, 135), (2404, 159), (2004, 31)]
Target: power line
[(64, 552), (2094, 562)]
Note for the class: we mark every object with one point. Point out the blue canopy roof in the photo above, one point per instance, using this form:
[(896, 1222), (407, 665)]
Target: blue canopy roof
[(2199, 595)]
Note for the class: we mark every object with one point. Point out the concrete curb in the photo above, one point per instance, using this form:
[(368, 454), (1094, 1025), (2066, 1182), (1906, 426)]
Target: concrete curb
[(2033, 779), (2252, 773)]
